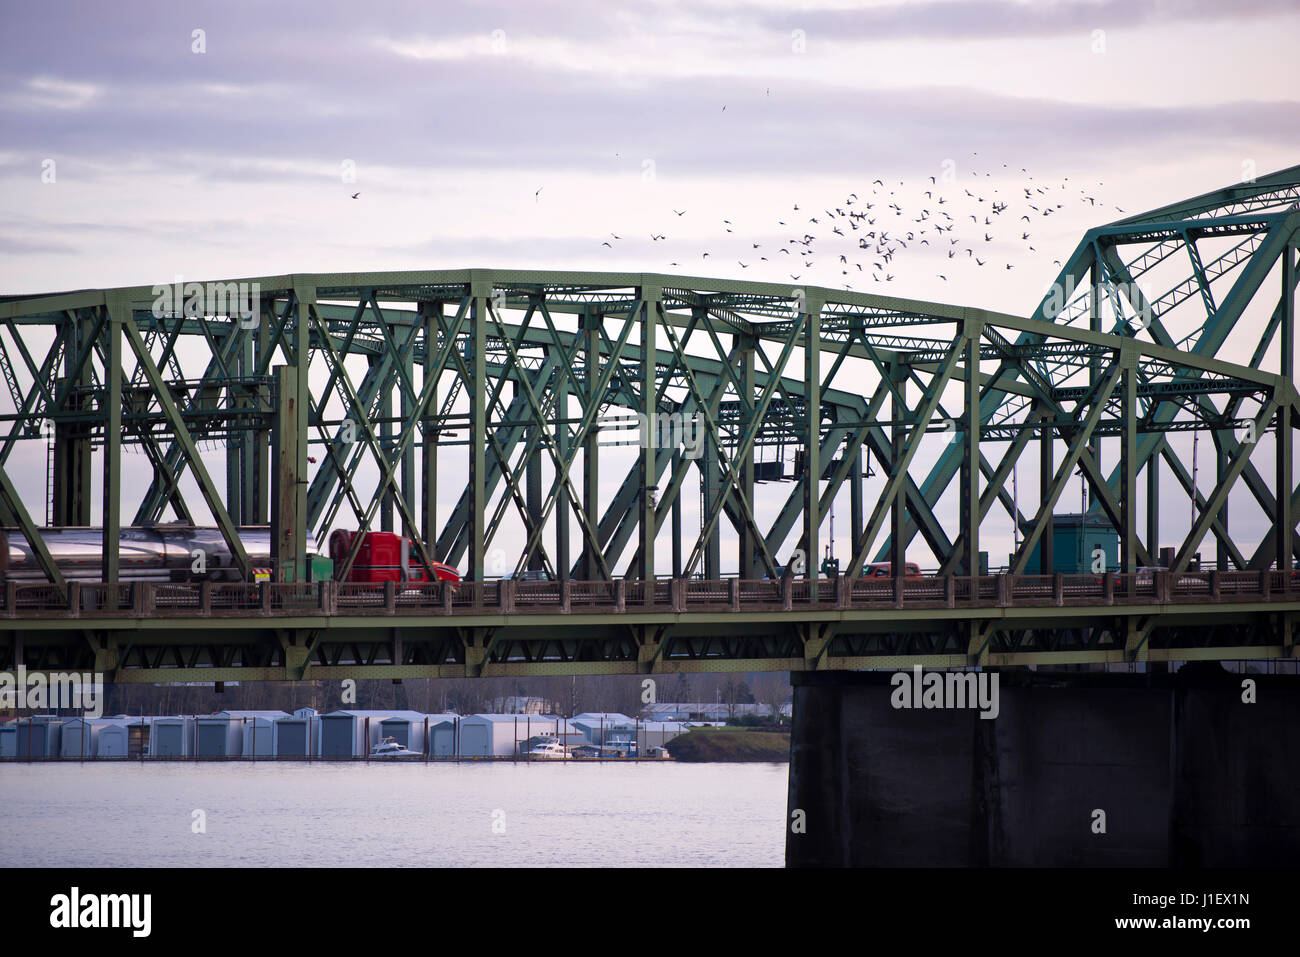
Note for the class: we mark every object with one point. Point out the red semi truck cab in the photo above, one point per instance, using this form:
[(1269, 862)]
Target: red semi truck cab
[(384, 557)]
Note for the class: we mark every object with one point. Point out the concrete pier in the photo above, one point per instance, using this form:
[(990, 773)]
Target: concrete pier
[(1077, 769)]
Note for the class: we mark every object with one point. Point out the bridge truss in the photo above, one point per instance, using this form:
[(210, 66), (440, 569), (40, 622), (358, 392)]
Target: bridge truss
[(479, 411)]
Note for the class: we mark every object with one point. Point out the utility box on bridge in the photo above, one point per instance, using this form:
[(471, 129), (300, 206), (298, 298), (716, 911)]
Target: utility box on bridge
[(1073, 540)]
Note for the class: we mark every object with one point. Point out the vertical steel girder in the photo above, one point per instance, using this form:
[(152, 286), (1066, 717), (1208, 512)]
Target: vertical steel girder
[(648, 309), (118, 310), (969, 492), (901, 415)]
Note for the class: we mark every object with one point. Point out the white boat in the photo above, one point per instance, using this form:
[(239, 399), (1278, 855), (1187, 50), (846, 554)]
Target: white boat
[(389, 748), (547, 750)]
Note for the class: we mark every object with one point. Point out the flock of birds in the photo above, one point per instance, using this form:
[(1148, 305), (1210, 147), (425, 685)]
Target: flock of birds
[(946, 223)]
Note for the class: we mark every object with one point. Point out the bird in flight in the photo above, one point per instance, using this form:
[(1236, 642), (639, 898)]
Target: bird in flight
[(680, 212), (355, 195), (538, 193)]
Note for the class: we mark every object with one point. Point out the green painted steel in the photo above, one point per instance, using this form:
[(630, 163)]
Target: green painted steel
[(385, 379)]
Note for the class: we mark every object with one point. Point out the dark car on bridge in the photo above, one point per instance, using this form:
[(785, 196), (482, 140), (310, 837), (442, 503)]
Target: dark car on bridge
[(529, 575)]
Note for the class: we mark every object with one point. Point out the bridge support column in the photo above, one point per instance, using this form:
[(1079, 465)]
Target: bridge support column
[(431, 315), (533, 497), (1128, 542), (406, 467), (711, 480), (1046, 473), (234, 451), (258, 484), (106, 657), (856, 519), (812, 515), (1153, 503), (295, 661), (650, 297), (677, 520), (387, 506), (560, 429), (748, 563), (111, 502), (898, 514), (480, 291), (288, 493), (73, 477), (1284, 520), (251, 484), (1222, 462), (589, 322), (1142, 783), (969, 492)]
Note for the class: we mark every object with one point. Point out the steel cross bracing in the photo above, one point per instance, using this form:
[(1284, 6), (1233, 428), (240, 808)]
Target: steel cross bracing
[(496, 418)]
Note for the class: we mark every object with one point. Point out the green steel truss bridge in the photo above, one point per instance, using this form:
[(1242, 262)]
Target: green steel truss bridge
[(621, 434)]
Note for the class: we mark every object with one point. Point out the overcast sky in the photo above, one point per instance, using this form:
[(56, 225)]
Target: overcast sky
[(146, 140), (231, 161)]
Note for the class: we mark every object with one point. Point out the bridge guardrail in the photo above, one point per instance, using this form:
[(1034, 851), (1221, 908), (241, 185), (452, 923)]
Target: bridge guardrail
[(210, 599)]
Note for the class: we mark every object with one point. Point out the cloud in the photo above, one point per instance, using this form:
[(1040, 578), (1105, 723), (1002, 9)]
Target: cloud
[(583, 87), (11, 246), (983, 19), (152, 138), (548, 122), (52, 93)]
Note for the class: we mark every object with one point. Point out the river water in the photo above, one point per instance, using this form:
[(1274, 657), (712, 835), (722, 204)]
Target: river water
[(289, 814)]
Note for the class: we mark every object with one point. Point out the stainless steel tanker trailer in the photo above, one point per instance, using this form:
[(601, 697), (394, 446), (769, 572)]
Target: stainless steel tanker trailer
[(166, 553)]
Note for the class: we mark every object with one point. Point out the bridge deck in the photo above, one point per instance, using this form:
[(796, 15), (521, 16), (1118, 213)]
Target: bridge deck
[(37, 601), (150, 632)]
